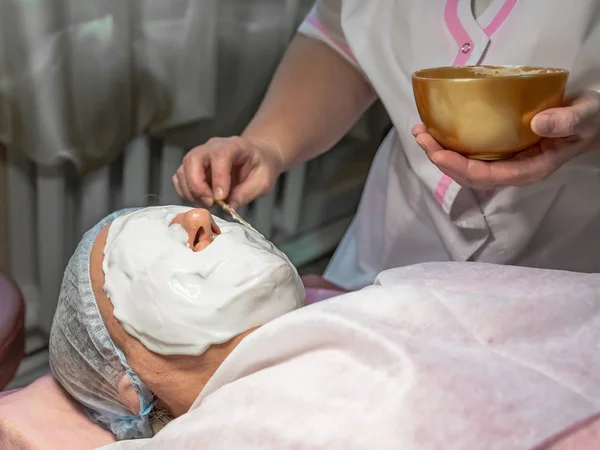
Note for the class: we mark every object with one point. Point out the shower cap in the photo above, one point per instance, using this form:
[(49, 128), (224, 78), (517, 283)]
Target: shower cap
[(83, 357)]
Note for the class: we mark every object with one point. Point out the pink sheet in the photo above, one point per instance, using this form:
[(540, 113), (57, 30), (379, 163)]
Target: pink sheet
[(43, 417), (17, 433), (491, 358)]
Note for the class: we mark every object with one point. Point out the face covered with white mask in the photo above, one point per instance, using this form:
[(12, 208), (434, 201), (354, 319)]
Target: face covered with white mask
[(181, 280), (153, 301)]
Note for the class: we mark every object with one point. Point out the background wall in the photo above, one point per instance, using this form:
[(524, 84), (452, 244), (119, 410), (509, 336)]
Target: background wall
[(4, 231)]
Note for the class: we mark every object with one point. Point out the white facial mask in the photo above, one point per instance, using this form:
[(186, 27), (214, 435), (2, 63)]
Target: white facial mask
[(179, 302)]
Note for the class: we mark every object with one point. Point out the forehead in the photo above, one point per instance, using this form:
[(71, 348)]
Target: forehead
[(97, 274), (154, 213), (97, 253)]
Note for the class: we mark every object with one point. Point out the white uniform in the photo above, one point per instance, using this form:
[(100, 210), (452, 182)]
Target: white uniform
[(410, 211), (449, 356)]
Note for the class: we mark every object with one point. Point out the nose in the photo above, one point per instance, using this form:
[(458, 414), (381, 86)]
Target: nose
[(200, 227)]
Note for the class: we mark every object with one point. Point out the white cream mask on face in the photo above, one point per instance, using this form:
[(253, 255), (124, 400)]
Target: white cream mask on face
[(179, 302)]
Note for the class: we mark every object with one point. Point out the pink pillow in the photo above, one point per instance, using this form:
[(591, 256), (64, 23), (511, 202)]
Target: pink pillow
[(318, 295), (42, 416), (12, 329)]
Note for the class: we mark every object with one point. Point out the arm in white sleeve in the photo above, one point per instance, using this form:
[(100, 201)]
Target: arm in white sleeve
[(317, 94)]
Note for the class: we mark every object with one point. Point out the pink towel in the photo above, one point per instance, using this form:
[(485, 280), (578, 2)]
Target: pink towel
[(42, 416)]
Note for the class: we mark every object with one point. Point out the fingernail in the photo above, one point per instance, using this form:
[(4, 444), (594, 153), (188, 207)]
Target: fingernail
[(544, 124), (219, 193), (208, 201), (234, 205)]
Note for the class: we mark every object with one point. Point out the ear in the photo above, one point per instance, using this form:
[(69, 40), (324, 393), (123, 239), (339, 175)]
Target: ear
[(128, 395)]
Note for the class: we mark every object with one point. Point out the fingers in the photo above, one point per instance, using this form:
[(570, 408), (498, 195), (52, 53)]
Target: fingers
[(560, 151), (450, 163), (466, 172), (192, 178), (181, 186), (530, 166), (206, 170), (569, 120), (527, 167), (418, 129), (257, 183), (177, 187), (221, 168), (230, 153), (430, 145)]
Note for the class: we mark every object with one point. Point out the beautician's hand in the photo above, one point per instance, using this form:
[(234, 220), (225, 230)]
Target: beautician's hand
[(235, 169), (567, 132)]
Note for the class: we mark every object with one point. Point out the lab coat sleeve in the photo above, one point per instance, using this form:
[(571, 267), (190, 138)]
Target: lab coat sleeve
[(324, 24)]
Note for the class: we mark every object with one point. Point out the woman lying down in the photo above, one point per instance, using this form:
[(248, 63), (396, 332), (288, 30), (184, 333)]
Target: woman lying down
[(168, 314)]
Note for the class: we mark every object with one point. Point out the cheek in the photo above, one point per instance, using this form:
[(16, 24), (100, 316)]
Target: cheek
[(141, 360), (119, 336), (149, 367)]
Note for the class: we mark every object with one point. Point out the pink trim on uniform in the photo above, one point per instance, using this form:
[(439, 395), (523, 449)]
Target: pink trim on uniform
[(313, 20), (458, 32), (442, 189), (461, 37), (500, 17)]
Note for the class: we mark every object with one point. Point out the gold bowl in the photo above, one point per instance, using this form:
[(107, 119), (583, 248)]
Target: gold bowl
[(485, 112)]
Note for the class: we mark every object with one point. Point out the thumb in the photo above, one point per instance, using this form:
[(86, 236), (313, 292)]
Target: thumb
[(257, 184), (556, 123), (566, 121)]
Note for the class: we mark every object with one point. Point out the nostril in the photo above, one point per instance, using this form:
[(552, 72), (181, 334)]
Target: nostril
[(198, 236)]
